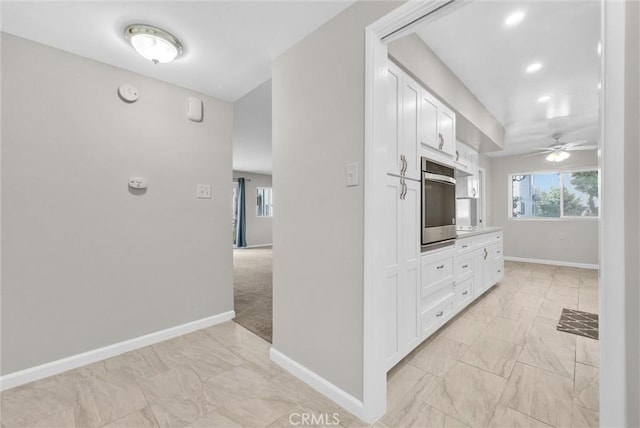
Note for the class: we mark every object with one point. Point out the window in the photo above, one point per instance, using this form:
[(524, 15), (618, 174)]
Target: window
[(555, 195), (264, 202)]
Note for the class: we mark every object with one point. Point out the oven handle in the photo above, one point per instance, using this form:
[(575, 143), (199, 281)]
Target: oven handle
[(439, 178)]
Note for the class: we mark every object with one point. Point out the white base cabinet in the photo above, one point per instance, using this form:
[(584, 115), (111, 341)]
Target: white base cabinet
[(455, 276)]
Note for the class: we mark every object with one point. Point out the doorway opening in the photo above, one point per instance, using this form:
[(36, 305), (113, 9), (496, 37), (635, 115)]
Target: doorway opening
[(569, 282), (252, 212)]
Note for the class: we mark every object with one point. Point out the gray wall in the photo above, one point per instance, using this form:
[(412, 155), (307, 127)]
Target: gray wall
[(541, 239), (259, 229), (86, 263), (252, 131), (427, 67), (318, 127)]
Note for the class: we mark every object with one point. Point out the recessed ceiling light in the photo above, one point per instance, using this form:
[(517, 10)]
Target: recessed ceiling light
[(544, 98), (532, 68), (153, 43), (514, 19)]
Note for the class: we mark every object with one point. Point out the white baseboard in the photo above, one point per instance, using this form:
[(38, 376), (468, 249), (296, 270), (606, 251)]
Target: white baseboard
[(54, 367), (551, 262), (320, 384), (255, 246)]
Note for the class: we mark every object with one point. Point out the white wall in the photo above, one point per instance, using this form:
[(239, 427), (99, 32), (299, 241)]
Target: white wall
[(632, 208), (252, 131), (573, 241), (259, 229), (414, 55), (318, 257), (86, 262)]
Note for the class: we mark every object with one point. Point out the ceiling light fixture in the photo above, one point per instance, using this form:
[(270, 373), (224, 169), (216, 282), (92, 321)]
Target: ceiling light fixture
[(153, 43), (514, 19), (532, 68), (558, 156), (544, 98)]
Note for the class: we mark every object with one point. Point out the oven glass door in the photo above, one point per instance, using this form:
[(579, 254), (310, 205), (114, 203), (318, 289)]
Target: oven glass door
[(439, 204)]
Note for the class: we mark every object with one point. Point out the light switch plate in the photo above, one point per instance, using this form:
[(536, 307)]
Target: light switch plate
[(203, 191), (351, 174)]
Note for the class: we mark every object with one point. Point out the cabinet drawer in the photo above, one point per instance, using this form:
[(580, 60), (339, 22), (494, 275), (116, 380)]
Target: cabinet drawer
[(464, 293), (498, 271), (495, 251), (434, 317), (488, 239), (435, 271), (464, 245), (464, 265), (436, 293)]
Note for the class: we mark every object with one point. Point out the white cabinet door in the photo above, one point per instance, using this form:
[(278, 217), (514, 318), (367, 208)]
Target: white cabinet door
[(428, 119), (409, 143), (446, 130), (392, 139), (402, 269), (408, 299)]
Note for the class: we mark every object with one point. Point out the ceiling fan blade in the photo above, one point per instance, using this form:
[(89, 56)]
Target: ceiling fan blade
[(575, 143), (571, 149)]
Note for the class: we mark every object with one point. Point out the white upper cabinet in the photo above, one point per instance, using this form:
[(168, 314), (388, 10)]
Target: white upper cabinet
[(437, 128), (409, 145), (428, 119), (446, 131), (403, 109)]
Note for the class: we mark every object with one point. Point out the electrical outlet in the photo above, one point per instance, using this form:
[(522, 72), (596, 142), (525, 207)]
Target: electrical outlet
[(203, 191)]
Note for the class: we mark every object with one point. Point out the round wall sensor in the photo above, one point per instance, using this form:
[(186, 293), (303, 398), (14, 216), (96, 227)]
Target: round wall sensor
[(128, 93)]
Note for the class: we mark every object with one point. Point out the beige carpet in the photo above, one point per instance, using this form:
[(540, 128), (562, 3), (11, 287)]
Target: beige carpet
[(252, 290)]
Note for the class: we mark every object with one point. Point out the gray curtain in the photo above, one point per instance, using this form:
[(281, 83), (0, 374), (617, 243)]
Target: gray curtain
[(241, 231)]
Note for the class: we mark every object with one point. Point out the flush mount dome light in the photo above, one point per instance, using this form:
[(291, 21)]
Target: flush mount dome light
[(153, 43)]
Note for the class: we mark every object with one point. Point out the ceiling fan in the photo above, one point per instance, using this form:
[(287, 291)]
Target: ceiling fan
[(559, 151)]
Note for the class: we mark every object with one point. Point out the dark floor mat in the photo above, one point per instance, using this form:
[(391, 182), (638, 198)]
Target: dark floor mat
[(578, 322)]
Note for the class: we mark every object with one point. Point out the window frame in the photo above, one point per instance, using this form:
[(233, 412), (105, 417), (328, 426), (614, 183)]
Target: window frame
[(551, 171), (258, 188)]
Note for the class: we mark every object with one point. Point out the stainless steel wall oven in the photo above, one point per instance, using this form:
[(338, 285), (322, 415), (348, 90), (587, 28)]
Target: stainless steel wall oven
[(438, 203)]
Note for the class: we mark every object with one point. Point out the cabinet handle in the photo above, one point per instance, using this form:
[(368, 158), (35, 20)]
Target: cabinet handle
[(464, 246), (404, 165), (440, 267), (486, 253), (473, 192), (441, 145), (497, 237), (403, 189), (465, 266), (439, 314), (498, 251), (465, 292)]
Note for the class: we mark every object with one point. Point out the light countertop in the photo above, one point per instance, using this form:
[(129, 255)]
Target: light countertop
[(466, 232)]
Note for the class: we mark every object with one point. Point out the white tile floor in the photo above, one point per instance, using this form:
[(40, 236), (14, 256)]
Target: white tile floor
[(499, 363)]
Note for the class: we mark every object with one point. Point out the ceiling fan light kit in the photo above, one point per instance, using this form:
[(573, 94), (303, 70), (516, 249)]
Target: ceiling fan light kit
[(558, 156)]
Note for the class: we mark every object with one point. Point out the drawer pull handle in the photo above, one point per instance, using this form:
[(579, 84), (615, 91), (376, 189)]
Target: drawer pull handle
[(439, 314), (465, 292), (465, 266), (464, 246), (497, 237), (499, 251), (499, 270), (440, 267)]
